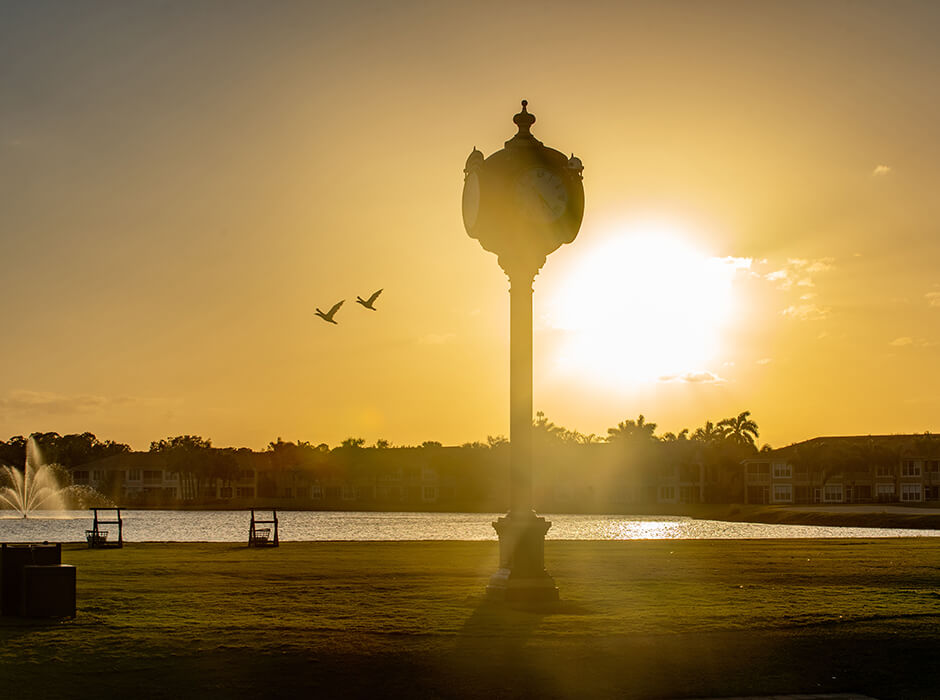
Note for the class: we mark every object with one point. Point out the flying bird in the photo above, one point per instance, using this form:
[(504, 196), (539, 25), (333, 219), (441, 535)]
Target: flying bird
[(328, 316), (368, 302)]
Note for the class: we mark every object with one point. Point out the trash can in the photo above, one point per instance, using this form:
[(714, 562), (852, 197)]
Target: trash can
[(48, 591), (14, 558)]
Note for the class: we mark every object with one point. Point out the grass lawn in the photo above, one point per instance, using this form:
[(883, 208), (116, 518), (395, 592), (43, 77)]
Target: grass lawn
[(681, 618)]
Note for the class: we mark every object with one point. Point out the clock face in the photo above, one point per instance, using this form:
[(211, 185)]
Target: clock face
[(541, 195), (471, 200)]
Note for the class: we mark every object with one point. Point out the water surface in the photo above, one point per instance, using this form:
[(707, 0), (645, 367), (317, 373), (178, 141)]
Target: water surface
[(319, 526)]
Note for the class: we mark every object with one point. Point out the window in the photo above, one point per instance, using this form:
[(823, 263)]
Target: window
[(832, 493), (910, 467), (782, 470), (884, 489), (933, 466), (80, 476), (97, 475), (911, 492), (758, 471), (349, 493), (429, 493), (225, 492), (153, 475), (667, 493), (884, 470), (316, 492), (133, 475), (783, 493)]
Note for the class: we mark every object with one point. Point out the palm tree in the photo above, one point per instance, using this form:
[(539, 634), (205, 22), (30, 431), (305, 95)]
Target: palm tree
[(683, 436), (710, 434), (632, 430), (741, 430)]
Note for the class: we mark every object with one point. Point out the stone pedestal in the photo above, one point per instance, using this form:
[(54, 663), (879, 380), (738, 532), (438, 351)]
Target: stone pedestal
[(521, 575)]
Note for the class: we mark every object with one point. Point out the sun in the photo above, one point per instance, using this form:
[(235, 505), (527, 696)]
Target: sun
[(644, 304)]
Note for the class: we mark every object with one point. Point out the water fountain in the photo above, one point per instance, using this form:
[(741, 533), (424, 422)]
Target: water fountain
[(41, 486)]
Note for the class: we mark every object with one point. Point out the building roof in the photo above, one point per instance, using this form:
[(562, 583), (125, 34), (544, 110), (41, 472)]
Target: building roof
[(910, 444)]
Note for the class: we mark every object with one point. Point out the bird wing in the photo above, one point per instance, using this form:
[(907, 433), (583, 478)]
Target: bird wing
[(374, 296), (335, 308)]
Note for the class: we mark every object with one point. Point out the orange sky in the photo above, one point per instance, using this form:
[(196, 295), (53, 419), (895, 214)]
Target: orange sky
[(181, 185)]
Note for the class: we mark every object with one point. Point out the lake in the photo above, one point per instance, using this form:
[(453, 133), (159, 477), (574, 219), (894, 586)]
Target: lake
[(313, 526)]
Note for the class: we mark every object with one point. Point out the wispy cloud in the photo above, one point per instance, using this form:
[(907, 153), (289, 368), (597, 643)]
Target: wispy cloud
[(764, 361), (49, 403), (933, 298), (799, 272), (736, 263), (703, 377), (881, 170), (806, 312), (437, 338), (906, 341), (798, 275)]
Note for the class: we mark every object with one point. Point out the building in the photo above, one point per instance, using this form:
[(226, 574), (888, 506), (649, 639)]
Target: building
[(857, 469)]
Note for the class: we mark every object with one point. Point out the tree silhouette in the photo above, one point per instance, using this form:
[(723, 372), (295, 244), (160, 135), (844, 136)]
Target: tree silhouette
[(630, 430), (740, 429), (709, 433), (190, 457)]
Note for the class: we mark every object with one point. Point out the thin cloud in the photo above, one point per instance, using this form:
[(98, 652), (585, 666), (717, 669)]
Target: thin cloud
[(764, 361), (806, 312), (736, 263), (798, 275), (881, 170), (799, 272), (49, 403), (906, 341), (704, 377), (933, 298)]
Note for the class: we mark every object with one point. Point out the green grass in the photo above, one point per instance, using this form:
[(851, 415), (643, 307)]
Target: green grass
[(637, 619)]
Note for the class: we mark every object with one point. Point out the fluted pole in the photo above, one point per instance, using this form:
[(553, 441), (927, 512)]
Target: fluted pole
[(520, 394)]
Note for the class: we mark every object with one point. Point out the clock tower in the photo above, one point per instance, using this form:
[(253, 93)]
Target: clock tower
[(522, 203)]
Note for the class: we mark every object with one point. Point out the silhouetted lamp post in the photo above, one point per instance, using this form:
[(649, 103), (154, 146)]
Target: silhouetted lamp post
[(522, 203)]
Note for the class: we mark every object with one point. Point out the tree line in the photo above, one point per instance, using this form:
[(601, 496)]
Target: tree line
[(736, 436)]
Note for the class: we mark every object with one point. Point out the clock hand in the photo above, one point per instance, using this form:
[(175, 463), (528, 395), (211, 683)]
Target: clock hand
[(545, 202)]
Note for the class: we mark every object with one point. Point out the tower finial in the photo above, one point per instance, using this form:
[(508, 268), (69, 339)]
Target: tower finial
[(524, 120)]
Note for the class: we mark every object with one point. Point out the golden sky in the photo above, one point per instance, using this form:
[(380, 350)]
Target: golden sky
[(182, 183)]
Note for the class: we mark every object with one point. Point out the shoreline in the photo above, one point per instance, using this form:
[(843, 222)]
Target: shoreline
[(890, 515)]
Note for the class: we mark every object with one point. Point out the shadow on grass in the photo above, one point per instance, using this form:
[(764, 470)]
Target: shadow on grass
[(511, 622)]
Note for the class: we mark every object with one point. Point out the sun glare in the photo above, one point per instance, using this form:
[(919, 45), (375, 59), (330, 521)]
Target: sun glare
[(644, 304)]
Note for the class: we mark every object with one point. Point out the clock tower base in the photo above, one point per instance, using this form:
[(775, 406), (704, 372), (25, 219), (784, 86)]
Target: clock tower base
[(521, 576)]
